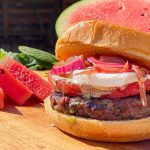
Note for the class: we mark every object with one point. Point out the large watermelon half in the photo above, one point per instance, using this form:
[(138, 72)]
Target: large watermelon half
[(130, 13), (40, 88)]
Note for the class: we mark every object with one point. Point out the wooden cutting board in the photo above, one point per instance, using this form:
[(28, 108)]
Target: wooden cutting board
[(28, 127)]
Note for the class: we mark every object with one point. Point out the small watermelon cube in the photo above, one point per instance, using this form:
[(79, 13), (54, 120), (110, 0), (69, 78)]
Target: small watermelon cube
[(40, 88), (14, 88)]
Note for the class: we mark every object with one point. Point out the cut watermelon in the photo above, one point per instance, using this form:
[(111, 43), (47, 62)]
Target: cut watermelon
[(130, 13), (40, 88), (18, 92), (2, 96)]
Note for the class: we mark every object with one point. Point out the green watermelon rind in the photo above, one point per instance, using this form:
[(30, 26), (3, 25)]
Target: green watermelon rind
[(61, 22)]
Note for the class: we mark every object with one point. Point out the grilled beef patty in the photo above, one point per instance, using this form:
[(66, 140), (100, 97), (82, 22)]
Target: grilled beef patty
[(101, 109)]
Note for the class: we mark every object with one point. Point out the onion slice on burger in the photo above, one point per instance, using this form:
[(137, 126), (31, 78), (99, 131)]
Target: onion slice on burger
[(73, 63), (88, 71), (109, 67), (141, 82), (112, 59)]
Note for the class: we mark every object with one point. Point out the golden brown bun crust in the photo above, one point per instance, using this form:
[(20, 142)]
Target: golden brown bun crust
[(97, 37), (109, 131)]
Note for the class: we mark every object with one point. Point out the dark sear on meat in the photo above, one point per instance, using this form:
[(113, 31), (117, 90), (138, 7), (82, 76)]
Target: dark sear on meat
[(101, 109)]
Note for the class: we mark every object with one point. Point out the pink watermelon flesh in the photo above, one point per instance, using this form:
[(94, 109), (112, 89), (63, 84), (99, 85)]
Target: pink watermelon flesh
[(40, 88), (18, 92), (130, 13)]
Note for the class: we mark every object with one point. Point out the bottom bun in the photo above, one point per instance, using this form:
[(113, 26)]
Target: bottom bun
[(108, 131)]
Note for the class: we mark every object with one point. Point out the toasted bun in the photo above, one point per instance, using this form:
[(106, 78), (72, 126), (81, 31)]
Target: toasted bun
[(96, 37), (109, 131)]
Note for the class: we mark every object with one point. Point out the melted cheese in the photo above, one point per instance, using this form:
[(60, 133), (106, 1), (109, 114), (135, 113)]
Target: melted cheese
[(102, 81), (105, 80)]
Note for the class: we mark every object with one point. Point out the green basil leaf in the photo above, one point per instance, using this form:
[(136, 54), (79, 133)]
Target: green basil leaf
[(38, 54)]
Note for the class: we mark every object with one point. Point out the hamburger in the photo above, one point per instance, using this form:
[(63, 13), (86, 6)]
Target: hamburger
[(100, 86)]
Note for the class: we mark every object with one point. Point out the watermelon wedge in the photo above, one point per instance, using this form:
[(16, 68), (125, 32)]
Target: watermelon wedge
[(16, 90), (40, 88), (130, 13), (2, 96)]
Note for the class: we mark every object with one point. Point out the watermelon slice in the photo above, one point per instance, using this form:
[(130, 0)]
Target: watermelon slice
[(40, 88), (18, 92), (2, 96), (130, 13)]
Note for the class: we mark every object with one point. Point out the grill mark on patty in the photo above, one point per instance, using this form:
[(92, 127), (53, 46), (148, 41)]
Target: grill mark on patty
[(101, 109)]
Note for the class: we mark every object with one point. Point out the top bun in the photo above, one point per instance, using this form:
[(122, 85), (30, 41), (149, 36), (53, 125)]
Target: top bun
[(96, 37)]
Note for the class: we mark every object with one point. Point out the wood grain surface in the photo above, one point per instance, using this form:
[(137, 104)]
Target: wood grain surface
[(28, 127)]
